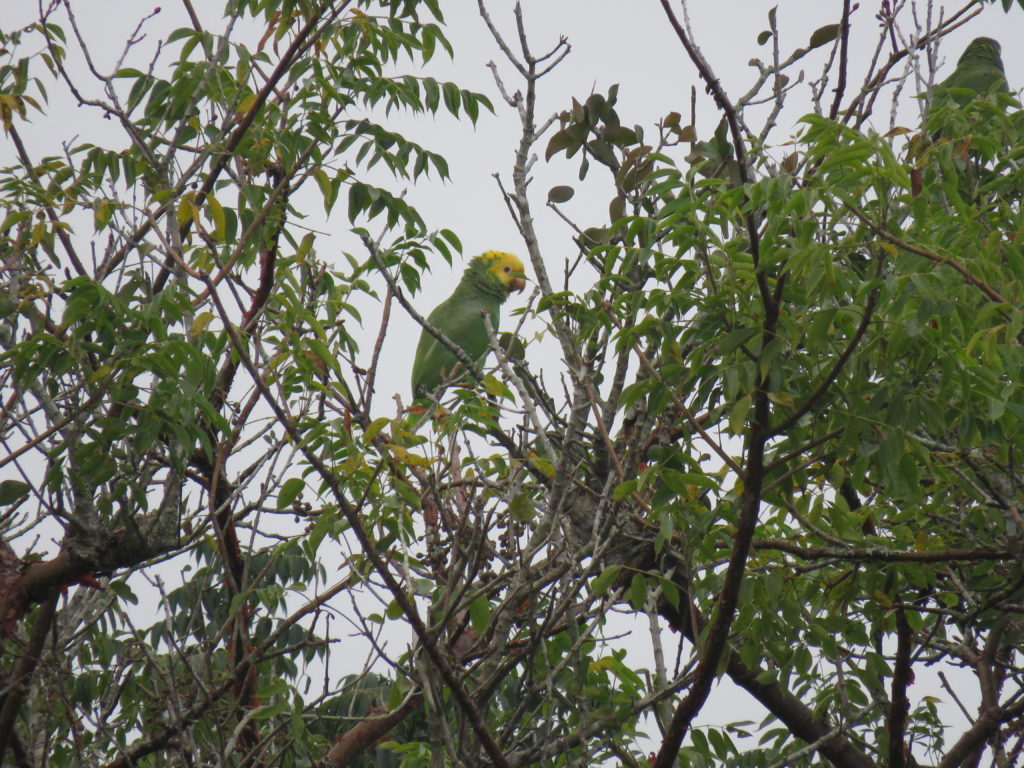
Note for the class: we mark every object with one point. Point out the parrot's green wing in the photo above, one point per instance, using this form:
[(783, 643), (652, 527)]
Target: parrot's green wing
[(979, 70), (979, 73), (460, 319)]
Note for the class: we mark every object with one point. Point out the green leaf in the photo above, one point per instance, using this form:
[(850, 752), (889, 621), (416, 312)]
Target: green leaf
[(123, 591), (279, 707), (325, 523), (521, 508), (738, 415), (431, 94), (12, 491), (823, 35), (624, 489), (452, 97), (637, 591), (602, 150), (560, 194), (408, 494), (480, 614), (670, 591), (83, 302), (735, 339), (606, 579), (271, 689), (560, 141), (394, 610), (290, 491)]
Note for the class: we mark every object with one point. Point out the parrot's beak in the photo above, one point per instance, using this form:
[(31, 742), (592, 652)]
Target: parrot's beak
[(516, 285)]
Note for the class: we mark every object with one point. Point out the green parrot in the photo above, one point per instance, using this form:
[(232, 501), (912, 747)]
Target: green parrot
[(980, 69), (952, 116), (486, 283)]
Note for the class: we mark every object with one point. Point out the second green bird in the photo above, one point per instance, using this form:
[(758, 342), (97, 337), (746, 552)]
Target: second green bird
[(485, 285), (979, 70)]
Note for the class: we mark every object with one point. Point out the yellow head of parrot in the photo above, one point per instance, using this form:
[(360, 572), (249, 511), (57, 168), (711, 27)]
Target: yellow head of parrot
[(506, 267)]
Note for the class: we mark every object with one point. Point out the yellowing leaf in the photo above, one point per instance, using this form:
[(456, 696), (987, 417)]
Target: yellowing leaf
[(305, 247), (493, 386), (411, 459), (101, 213), (199, 324), (216, 213), (545, 467), (246, 104), (187, 208), (375, 427)]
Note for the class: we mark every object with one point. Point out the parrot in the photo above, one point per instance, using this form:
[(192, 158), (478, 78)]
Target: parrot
[(980, 69), (485, 285), (979, 72)]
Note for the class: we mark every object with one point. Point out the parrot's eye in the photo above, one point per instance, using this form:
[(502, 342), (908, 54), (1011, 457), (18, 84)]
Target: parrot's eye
[(508, 269)]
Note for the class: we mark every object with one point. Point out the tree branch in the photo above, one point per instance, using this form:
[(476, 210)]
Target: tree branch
[(899, 704), (18, 684)]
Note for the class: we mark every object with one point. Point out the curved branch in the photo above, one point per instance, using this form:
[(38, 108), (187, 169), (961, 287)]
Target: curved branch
[(364, 734), (977, 282), (844, 57), (984, 728), (883, 555), (144, 539), (798, 717)]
